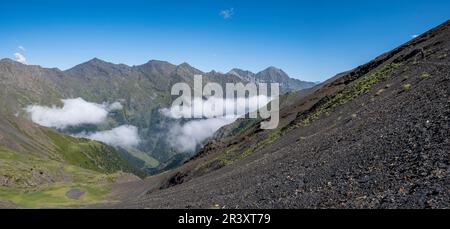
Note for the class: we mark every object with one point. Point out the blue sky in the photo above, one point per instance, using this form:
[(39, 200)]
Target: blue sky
[(310, 40)]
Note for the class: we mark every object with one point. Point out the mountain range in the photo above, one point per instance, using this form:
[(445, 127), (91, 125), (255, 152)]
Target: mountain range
[(142, 91)]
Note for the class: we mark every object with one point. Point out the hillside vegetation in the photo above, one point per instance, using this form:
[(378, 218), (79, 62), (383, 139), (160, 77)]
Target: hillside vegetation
[(39, 166)]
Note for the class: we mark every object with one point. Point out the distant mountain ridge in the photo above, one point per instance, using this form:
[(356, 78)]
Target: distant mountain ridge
[(272, 75), (157, 67)]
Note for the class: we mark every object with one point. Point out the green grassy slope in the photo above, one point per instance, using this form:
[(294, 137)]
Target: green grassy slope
[(30, 182), (38, 166)]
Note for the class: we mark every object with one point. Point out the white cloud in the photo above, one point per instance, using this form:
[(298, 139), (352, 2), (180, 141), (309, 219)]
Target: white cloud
[(21, 48), (227, 13), (78, 111), (20, 58), (125, 136), (185, 138), (206, 108), (414, 36), (115, 106), (74, 112)]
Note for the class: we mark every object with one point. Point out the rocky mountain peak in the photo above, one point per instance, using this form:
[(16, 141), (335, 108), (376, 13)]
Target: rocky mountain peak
[(7, 61), (187, 70), (273, 72)]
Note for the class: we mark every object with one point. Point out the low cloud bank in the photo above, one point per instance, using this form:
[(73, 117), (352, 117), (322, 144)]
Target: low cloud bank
[(216, 107), (125, 136), (186, 137), (74, 112)]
